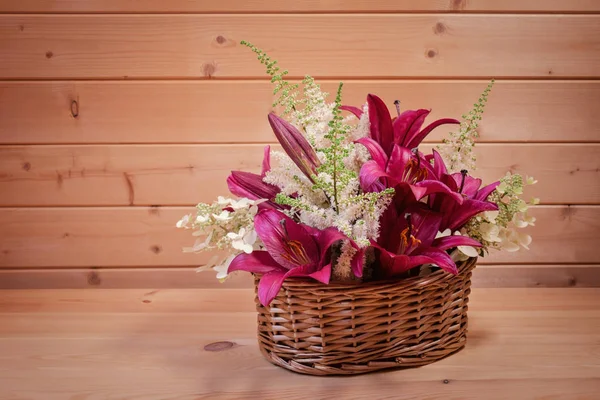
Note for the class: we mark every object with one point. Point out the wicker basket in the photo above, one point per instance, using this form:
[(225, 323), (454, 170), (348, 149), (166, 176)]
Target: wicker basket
[(344, 329)]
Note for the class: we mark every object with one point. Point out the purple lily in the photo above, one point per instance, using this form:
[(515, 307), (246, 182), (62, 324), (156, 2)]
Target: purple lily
[(413, 243), (292, 249), (252, 186), (295, 145), (402, 168), (456, 215)]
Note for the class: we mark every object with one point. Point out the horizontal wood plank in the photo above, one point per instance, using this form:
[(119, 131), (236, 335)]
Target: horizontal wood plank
[(310, 6), (241, 300), (485, 276), (197, 46), (196, 111), (139, 236), (113, 343), (188, 174)]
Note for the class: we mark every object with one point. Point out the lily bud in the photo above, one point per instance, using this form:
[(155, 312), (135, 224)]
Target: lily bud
[(295, 145)]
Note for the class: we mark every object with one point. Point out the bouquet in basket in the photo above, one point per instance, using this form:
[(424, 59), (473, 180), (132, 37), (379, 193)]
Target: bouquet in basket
[(351, 195)]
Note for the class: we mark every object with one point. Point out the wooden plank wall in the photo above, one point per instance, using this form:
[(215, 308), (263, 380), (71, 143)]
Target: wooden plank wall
[(116, 116)]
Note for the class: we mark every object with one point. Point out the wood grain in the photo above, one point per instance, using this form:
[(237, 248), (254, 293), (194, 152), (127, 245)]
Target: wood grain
[(140, 236), (196, 111), (55, 344), (188, 174), (309, 6), (485, 276), (351, 45)]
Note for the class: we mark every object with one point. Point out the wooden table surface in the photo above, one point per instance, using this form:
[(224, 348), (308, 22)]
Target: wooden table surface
[(137, 344)]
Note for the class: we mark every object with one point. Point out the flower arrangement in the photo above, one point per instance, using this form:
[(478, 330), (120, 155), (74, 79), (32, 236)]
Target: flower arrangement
[(350, 197)]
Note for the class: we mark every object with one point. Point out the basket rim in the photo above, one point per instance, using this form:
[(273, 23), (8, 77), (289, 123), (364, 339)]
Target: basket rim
[(439, 276)]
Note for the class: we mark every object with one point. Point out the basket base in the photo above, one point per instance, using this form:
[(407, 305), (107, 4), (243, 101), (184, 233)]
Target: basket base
[(406, 362)]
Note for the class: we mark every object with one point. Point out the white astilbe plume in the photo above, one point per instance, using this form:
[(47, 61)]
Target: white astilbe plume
[(342, 270)]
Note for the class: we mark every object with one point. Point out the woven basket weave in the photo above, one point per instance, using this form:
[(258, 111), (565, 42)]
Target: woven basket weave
[(344, 329)]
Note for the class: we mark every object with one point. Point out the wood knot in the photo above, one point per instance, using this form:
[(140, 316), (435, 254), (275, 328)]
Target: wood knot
[(445, 381), (26, 166), (439, 28), (209, 69), (155, 249), (221, 39), (567, 212), (93, 278), (431, 53), (219, 346), (154, 210), (49, 54), (75, 109), (66, 235), (21, 27), (147, 301), (458, 5), (572, 281)]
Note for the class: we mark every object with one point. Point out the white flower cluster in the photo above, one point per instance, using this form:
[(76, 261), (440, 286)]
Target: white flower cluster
[(226, 224), (358, 214), (501, 229)]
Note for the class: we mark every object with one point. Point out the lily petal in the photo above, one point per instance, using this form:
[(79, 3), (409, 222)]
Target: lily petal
[(438, 165), (269, 286), (427, 187), (449, 242), (325, 239), (437, 257), (407, 125), (375, 150), (470, 185), (485, 191), (468, 210), (399, 158), (266, 164), (381, 122), (258, 262), (247, 184), (369, 176), (323, 275), (354, 110), (416, 138)]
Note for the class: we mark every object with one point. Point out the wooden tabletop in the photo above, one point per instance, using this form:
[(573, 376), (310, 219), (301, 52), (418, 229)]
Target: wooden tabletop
[(201, 344)]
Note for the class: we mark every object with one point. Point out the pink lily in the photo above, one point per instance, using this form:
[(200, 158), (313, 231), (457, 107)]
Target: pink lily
[(292, 250), (456, 215), (295, 145), (413, 243), (252, 186), (404, 130), (402, 168)]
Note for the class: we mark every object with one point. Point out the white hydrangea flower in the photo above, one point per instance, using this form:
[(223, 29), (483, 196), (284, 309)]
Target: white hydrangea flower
[(200, 219), (243, 240), (223, 216), (531, 180), (183, 222)]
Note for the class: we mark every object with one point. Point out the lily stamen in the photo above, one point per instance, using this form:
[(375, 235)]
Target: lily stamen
[(397, 104), (416, 153), (284, 228), (463, 172), (408, 218)]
